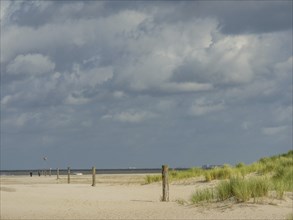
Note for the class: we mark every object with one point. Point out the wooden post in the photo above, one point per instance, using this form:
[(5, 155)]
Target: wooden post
[(94, 176), (57, 173), (165, 183), (68, 175)]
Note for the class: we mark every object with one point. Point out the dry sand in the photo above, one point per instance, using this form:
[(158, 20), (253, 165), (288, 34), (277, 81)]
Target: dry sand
[(120, 197)]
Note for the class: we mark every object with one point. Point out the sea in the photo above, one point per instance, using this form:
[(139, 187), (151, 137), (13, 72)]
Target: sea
[(84, 171)]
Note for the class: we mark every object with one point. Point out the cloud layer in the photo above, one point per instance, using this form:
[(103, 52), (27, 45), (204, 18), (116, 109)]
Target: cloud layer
[(141, 78)]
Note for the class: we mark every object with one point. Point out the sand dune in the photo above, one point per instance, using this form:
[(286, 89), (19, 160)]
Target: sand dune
[(120, 197)]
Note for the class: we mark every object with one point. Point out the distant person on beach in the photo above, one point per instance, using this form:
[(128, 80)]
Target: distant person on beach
[(31, 174), (39, 173)]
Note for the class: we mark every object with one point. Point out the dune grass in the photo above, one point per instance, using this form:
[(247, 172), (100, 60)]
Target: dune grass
[(204, 195), (272, 174), (280, 167), (236, 188), (152, 178), (176, 175), (269, 174)]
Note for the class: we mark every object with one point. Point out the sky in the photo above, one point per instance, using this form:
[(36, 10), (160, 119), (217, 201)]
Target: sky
[(118, 84)]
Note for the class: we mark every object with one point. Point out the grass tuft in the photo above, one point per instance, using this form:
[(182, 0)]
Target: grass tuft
[(204, 195), (224, 190)]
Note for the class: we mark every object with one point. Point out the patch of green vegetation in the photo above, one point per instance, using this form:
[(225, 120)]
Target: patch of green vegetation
[(224, 190), (220, 173), (274, 173), (153, 178), (176, 175), (240, 189), (204, 195), (290, 217)]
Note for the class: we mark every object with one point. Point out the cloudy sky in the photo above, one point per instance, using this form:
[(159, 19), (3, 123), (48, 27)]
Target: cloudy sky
[(142, 83)]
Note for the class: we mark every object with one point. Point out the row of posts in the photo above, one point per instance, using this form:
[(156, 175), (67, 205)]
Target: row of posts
[(165, 180)]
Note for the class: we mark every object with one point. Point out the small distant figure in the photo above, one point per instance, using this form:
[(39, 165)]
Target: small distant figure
[(31, 174), (39, 173)]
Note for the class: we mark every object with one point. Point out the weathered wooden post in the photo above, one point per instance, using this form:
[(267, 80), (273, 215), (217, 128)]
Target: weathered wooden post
[(57, 173), (165, 183), (68, 175), (94, 176)]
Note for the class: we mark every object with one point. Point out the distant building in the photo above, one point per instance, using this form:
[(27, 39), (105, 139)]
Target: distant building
[(208, 167)]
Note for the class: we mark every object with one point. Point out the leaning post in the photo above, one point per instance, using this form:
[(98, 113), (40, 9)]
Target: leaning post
[(94, 176), (165, 183), (68, 175)]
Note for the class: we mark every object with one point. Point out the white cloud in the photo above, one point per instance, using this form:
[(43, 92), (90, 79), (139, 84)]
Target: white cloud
[(186, 87), (36, 64), (104, 31), (202, 107), (130, 116), (76, 100), (159, 50), (6, 99), (4, 10), (80, 77), (118, 94), (284, 69)]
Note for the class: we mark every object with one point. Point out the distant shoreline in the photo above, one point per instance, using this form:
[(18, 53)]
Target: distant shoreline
[(86, 171)]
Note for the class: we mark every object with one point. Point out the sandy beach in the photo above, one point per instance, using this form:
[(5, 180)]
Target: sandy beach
[(123, 196)]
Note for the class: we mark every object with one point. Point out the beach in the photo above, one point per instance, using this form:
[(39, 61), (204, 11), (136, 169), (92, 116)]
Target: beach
[(121, 196)]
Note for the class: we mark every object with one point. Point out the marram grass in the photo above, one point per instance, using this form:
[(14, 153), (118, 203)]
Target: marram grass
[(240, 189), (272, 174), (281, 167), (203, 195)]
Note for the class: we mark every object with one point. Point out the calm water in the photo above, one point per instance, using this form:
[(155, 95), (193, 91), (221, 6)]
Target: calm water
[(83, 171)]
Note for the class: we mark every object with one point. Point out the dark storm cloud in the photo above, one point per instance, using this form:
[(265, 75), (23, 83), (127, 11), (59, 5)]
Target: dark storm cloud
[(252, 16), (255, 16), (235, 17)]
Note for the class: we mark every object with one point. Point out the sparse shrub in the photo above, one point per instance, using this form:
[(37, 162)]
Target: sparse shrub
[(284, 174), (224, 190), (204, 195), (176, 175), (208, 176), (279, 187), (280, 178), (153, 178), (259, 187), (224, 173), (241, 189), (240, 165), (219, 173)]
